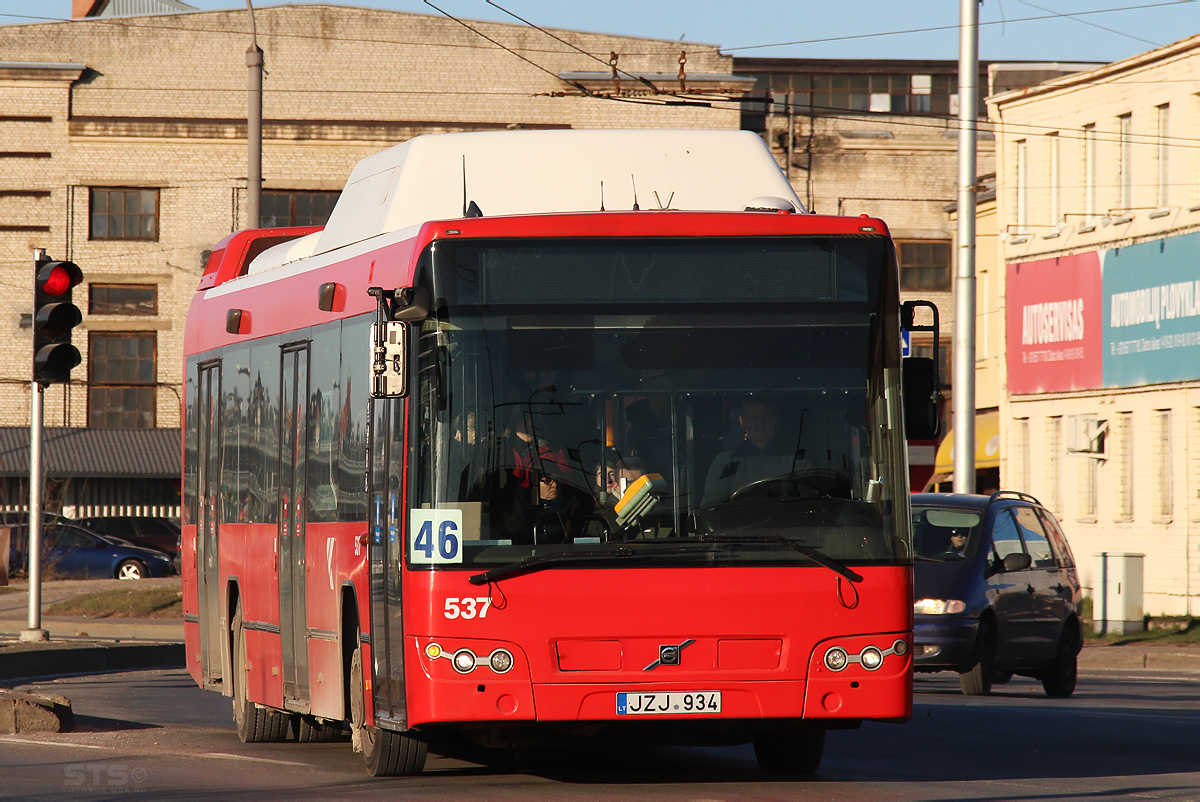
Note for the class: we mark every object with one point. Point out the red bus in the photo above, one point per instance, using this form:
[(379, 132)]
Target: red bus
[(501, 456)]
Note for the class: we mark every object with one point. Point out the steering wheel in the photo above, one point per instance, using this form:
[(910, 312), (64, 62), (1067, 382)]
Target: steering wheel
[(816, 483)]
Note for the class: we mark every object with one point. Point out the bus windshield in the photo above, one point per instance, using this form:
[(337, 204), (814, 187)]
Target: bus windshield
[(691, 402)]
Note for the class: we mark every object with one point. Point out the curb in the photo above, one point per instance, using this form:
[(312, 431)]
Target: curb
[(50, 661)]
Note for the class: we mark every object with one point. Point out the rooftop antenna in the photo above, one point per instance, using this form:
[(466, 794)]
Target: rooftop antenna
[(464, 171), (634, 182), (601, 195), (658, 200)]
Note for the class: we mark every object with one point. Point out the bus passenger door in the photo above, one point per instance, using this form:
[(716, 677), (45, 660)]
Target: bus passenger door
[(387, 510), (208, 576), (293, 498)]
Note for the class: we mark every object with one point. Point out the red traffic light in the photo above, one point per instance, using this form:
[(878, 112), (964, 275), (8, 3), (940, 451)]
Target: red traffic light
[(58, 278)]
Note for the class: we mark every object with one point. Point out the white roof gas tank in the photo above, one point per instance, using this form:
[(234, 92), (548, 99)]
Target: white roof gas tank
[(529, 172)]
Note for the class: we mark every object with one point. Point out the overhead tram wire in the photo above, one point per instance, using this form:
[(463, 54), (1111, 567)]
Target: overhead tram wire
[(640, 78), (137, 23), (575, 84), (1090, 24), (935, 28)]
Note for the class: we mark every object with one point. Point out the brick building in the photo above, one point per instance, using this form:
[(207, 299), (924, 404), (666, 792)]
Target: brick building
[(124, 150), (1098, 208)]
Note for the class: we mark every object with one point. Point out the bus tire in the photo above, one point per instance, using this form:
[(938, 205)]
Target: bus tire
[(313, 730), (254, 724), (385, 753), (798, 751)]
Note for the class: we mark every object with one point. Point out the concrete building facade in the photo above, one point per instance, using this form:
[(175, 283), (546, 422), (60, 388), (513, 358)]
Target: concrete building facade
[(1098, 208), (124, 150)]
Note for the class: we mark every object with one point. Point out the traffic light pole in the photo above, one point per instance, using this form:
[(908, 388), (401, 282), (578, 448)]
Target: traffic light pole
[(37, 393)]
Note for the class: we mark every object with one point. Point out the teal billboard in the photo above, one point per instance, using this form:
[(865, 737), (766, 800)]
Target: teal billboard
[(1152, 312)]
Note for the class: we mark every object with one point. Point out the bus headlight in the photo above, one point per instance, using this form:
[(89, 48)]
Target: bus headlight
[(464, 661), (871, 658), (900, 647), (836, 658), (501, 661)]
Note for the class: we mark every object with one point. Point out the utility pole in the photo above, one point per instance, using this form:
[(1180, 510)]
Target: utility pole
[(964, 280), (254, 61), (34, 632)]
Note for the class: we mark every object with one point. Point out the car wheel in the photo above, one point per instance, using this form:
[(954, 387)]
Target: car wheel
[(254, 724), (1058, 680), (795, 752), (132, 569), (977, 681), (385, 753)]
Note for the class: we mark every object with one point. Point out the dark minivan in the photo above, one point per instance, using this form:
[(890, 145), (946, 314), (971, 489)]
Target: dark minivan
[(995, 591)]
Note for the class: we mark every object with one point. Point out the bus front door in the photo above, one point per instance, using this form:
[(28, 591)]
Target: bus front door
[(293, 498)]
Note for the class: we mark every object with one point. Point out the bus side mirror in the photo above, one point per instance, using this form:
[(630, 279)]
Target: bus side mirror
[(921, 413), (388, 340)]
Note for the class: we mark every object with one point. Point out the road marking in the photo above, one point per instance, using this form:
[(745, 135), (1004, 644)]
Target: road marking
[(72, 744), (216, 755), (227, 756)]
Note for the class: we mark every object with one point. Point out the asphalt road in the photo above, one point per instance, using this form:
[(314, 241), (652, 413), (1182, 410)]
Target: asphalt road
[(1123, 734)]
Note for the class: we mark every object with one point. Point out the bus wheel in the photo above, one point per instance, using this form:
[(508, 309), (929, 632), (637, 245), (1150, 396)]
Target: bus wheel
[(254, 724), (313, 730), (385, 753), (798, 751)]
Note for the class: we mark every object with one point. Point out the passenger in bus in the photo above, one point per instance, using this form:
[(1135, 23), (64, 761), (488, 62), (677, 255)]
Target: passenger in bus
[(531, 484), (760, 454), (618, 474)]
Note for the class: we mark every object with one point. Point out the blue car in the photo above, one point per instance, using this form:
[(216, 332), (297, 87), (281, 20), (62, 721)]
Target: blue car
[(996, 592), (73, 552)]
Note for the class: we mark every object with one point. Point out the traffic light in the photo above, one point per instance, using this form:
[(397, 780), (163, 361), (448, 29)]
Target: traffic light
[(53, 318)]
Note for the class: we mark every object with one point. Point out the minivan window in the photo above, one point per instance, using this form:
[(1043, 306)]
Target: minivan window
[(1005, 539), (1058, 541), (1035, 539)]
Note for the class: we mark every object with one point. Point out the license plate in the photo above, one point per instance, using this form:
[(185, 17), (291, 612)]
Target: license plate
[(671, 703)]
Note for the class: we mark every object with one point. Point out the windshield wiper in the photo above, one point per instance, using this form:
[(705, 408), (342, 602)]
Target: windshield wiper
[(536, 563), (808, 551)]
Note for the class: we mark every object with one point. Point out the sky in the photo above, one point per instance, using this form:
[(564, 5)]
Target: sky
[(1019, 30)]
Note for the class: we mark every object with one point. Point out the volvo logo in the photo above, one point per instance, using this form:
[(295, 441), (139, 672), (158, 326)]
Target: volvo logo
[(669, 655)]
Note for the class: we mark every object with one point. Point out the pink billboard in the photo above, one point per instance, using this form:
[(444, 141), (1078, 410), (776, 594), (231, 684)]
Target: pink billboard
[(1054, 324)]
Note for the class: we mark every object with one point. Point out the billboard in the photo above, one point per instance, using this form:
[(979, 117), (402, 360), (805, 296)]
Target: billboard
[(1121, 317), (1152, 320), (1053, 330)]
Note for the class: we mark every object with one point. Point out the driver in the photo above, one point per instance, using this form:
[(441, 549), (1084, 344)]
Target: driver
[(761, 454), (958, 543)]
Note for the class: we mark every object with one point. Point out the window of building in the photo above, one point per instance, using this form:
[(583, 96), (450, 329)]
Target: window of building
[(1125, 494), (1164, 156), (1055, 146), (1165, 499), (1089, 170), (924, 265), (122, 373), (901, 93), (1054, 464), (1023, 446), (1125, 161), (122, 299), (296, 208), (1022, 164), (124, 214)]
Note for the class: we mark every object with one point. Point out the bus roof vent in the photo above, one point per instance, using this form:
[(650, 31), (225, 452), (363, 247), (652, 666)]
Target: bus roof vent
[(770, 203)]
